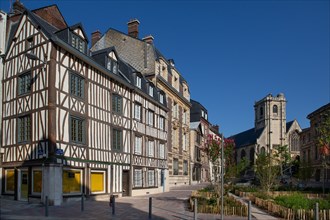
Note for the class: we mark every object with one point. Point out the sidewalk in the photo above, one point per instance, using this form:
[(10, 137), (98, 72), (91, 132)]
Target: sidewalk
[(168, 205)]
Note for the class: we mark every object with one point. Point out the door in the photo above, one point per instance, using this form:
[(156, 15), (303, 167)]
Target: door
[(125, 183), (24, 185)]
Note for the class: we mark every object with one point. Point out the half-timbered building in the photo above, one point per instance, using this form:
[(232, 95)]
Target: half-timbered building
[(73, 122), (147, 59)]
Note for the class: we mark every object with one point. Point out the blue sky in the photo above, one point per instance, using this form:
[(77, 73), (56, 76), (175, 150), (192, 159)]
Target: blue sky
[(232, 53)]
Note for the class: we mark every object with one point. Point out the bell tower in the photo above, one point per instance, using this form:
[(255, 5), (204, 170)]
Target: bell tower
[(270, 114)]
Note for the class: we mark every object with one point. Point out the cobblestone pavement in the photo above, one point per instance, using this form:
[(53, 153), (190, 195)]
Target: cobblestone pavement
[(168, 205)]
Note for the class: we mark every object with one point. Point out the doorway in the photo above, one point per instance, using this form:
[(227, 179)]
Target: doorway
[(23, 195), (125, 183)]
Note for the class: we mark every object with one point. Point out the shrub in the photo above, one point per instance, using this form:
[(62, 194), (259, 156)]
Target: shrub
[(299, 201)]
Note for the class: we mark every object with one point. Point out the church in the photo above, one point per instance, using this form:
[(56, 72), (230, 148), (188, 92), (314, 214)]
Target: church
[(270, 130)]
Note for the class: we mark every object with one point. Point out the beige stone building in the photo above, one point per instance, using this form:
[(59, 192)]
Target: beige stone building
[(310, 154), (270, 130), (147, 59)]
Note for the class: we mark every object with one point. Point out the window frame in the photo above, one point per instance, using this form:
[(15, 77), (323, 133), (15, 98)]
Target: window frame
[(113, 67), (32, 181), (138, 82), (138, 170), (162, 151), (27, 133), (151, 181), (151, 148), (114, 139), (151, 91), (138, 106), (117, 104), (161, 98), (185, 167), (27, 85), (104, 181), (77, 41), (81, 181), (162, 123), (76, 80), (6, 181), (151, 120), (175, 166), (138, 149), (83, 131)]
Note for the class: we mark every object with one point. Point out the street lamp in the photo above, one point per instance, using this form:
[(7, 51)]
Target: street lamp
[(32, 56)]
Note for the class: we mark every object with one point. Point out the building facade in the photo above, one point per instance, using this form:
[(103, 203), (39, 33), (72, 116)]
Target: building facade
[(73, 122), (270, 130), (311, 154), (147, 59)]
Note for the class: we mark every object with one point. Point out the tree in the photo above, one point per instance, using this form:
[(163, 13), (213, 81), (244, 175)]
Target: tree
[(282, 156), (266, 171)]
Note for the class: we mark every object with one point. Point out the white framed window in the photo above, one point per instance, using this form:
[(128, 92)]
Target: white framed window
[(138, 82), (161, 123), (203, 113), (150, 117), (137, 178), (161, 98), (162, 151), (151, 177), (138, 145), (97, 181), (151, 91), (137, 111), (151, 148)]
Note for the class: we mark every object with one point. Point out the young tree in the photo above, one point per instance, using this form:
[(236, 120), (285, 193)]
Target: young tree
[(283, 157), (323, 134), (266, 171)]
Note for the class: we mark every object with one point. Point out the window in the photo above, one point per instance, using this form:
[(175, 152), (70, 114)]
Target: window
[(175, 166), (36, 181), (197, 154), (137, 111), (161, 98), (150, 117), (198, 138), (261, 111), (138, 82), (151, 148), (185, 167), (184, 116), (112, 65), (138, 145), (117, 103), (24, 83), (10, 181), (77, 85), (77, 130), (203, 113), (116, 139), (29, 43), (24, 128), (161, 123), (71, 181), (97, 181), (175, 110), (151, 177), (77, 43), (151, 91), (275, 109), (138, 178), (162, 151)]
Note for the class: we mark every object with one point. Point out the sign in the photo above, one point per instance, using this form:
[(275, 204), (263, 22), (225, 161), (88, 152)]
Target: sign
[(40, 152), (59, 152)]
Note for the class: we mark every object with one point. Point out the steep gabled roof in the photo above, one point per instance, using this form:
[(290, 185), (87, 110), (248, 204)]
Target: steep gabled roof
[(247, 137), (52, 15)]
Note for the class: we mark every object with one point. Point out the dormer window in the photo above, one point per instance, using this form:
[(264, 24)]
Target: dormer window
[(203, 113), (112, 65), (138, 82), (78, 43), (151, 91)]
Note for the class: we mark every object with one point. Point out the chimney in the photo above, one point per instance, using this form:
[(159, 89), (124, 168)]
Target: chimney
[(216, 127), (172, 63), (18, 7), (148, 39), (96, 35), (133, 28)]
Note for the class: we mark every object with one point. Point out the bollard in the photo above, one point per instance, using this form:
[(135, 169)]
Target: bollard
[(249, 210), (150, 208), (195, 209), (46, 206), (82, 202), (113, 205), (317, 211)]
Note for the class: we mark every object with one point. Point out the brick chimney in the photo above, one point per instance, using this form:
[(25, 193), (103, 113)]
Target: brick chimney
[(148, 39), (18, 7), (96, 35), (133, 28)]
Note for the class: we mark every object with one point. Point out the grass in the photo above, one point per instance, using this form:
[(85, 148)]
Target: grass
[(300, 201)]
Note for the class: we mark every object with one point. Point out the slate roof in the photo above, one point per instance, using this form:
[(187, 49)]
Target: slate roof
[(195, 110), (288, 125), (247, 137)]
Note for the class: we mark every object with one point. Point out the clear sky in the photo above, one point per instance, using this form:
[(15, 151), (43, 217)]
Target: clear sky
[(232, 53)]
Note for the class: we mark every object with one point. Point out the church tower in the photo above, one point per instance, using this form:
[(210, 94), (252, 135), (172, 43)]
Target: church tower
[(270, 114)]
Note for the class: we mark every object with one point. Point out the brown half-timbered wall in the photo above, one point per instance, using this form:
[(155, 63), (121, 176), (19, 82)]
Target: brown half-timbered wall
[(33, 103)]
